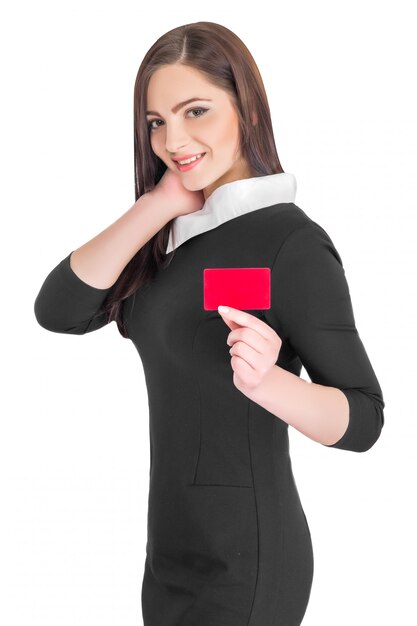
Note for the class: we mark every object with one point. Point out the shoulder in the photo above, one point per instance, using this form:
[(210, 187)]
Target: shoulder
[(299, 237)]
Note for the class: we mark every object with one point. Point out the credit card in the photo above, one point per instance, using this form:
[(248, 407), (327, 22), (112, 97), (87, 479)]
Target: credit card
[(239, 287)]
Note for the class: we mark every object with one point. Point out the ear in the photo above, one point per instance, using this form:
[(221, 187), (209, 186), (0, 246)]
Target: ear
[(254, 118)]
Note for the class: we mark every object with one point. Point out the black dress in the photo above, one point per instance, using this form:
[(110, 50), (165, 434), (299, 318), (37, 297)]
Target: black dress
[(228, 541)]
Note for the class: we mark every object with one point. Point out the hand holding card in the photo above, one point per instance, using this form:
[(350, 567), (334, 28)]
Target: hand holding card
[(242, 288)]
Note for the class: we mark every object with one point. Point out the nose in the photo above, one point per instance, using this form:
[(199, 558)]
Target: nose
[(175, 138)]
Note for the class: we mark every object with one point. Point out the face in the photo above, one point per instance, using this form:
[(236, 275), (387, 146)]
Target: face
[(207, 124)]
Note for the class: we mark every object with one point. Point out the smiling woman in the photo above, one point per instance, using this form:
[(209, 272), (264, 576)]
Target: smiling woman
[(182, 135), (228, 541)]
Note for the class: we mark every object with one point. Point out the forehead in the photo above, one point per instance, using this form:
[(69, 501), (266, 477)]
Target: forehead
[(171, 84)]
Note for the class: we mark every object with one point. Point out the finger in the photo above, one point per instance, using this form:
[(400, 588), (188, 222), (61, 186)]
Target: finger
[(247, 354), (248, 336), (244, 371), (229, 323), (245, 319)]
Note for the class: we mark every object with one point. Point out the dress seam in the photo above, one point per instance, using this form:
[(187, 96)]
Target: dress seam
[(199, 404), (257, 517)]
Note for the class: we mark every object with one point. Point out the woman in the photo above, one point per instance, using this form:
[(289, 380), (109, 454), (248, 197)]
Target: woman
[(228, 541)]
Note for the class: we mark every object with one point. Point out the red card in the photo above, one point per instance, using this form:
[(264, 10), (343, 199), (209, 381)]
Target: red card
[(239, 287)]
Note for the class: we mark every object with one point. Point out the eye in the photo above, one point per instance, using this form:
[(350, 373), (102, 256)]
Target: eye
[(199, 109), (150, 127)]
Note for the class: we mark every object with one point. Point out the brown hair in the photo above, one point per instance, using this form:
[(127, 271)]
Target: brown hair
[(224, 59)]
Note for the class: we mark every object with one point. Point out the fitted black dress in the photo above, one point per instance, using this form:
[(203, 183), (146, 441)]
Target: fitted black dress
[(228, 541)]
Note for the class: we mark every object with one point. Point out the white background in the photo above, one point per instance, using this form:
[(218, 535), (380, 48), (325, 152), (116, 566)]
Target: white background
[(74, 446)]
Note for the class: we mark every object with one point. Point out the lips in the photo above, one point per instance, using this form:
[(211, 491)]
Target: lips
[(189, 166), (186, 156)]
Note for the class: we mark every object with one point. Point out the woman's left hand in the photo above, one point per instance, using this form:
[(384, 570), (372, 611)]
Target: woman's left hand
[(255, 347)]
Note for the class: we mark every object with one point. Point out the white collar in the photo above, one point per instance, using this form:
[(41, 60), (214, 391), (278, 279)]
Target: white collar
[(231, 200)]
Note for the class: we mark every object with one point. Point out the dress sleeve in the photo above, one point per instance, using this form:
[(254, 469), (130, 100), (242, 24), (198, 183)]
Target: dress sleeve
[(66, 304), (312, 309)]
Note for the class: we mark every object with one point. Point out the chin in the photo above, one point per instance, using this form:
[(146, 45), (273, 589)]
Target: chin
[(190, 187)]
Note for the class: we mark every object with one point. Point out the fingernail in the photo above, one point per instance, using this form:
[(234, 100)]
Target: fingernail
[(223, 309)]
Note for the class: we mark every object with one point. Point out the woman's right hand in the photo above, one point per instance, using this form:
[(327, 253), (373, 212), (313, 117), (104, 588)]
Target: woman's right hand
[(178, 199)]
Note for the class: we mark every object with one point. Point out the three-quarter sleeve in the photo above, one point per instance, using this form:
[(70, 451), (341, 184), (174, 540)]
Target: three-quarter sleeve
[(66, 304), (311, 305)]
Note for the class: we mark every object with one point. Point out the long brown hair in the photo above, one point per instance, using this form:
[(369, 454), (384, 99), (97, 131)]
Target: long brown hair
[(225, 61)]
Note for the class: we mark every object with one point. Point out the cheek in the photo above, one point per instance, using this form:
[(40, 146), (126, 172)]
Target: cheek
[(224, 135), (154, 144), (157, 145)]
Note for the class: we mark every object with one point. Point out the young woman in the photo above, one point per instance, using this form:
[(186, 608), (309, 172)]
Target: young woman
[(228, 540)]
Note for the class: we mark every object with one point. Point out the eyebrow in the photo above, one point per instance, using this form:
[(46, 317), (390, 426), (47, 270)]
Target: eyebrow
[(179, 106)]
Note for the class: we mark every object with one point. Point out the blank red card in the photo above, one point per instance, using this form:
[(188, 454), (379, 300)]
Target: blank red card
[(239, 287)]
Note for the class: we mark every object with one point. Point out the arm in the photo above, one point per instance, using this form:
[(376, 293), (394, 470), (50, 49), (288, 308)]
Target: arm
[(75, 289), (312, 310), (320, 413)]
